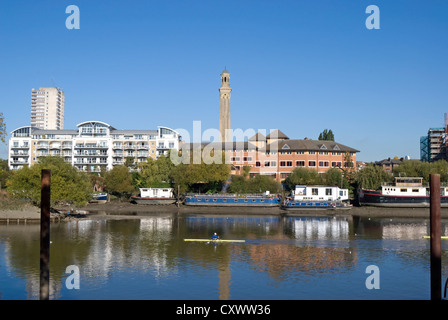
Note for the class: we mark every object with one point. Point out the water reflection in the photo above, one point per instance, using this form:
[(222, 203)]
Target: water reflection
[(146, 258)]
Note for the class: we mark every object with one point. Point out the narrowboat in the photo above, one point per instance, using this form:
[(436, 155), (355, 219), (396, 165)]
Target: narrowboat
[(403, 192), (233, 200), (155, 196)]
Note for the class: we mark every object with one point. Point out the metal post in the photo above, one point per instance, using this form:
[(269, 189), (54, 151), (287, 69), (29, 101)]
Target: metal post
[(45, 234), (436, 232)]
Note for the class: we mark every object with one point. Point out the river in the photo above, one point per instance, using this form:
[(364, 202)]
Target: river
[(292, 257)]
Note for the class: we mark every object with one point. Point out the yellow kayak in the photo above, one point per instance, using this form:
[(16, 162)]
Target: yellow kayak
[(442, 237)]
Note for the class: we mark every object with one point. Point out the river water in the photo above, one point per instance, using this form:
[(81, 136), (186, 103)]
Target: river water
[(292, 257)]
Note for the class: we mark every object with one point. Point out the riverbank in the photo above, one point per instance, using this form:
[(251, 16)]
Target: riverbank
[(128, 209)]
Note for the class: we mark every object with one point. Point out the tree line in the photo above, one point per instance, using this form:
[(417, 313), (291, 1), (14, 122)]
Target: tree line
[(69, 185)]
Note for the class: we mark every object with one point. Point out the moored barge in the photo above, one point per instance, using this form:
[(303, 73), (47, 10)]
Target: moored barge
[(407, 192)]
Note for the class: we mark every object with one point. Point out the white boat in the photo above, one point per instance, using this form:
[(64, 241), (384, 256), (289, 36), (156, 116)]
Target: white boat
[(155, 196), (317, 197), (404, 192)]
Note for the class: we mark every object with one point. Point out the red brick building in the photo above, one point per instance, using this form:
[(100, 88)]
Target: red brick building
[(277, 155)]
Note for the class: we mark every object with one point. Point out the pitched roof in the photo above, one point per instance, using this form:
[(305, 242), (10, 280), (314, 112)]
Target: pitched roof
[(258, 137), (277, 134), (309, 145)]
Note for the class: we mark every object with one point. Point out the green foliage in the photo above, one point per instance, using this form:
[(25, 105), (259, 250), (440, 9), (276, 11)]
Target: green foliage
[(4, 173), (326, 135), (206, 176), (154, 173), (67, 183), (118, 181), (303, 176), (335, 177), (258, 184), (371, 177), (3, 132), (416, 168)]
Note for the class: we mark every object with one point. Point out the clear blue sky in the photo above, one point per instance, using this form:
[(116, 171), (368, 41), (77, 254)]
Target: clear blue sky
[(300, 66)]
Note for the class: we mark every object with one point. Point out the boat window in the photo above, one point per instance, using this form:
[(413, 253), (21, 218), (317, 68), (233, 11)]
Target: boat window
[(253, 200), (403, 190), (314, 191), (328, 192), (224, 200), (262, 200), (245, 200), (214, 200), (414, 190), (236, 200)]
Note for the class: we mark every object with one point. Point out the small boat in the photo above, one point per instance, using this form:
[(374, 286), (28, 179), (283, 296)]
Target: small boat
[(99, 198), (155, 196), (211, 240), (233, 200), (404, 192), (317, 197)]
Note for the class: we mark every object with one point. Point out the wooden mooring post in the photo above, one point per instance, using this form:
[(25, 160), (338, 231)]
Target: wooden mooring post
[(435, 232), (45, 234)]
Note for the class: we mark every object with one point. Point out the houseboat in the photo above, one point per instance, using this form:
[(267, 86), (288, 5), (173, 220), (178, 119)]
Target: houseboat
[(233, 200), (403, 192), (317, 197), (155, 196)]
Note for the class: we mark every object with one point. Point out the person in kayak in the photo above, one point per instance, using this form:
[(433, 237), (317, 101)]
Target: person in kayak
[(215, 236)]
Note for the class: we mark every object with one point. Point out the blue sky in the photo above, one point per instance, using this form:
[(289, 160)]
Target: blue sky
[(300, 66)]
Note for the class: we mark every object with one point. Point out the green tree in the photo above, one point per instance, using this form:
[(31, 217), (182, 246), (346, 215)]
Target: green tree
[(303, 176), (416, 168), (67, 183), (335, 177), (204, 175), (238, 184), (371, 177), (3, 132), (4, 173), (262, 183), (118, 181), (326, 135)]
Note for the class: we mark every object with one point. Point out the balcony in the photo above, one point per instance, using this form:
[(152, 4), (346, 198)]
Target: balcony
[(91, 146), (19, 161)]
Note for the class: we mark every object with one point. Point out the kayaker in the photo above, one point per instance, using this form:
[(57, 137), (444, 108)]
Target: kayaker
[(215, 236)]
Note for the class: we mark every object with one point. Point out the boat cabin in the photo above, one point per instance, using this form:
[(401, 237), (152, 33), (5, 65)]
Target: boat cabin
[(156, 192), (313, 193)]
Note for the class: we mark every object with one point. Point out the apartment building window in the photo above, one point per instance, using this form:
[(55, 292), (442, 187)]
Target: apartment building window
[(311, 163), (323, 163), (257, 164), (336, 164), (300, 163)]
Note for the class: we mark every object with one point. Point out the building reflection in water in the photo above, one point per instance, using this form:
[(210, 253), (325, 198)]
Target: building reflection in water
[(152, 247)]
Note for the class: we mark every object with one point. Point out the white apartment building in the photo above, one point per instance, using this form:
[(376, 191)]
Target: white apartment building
[(93, 145), (47, 108)]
